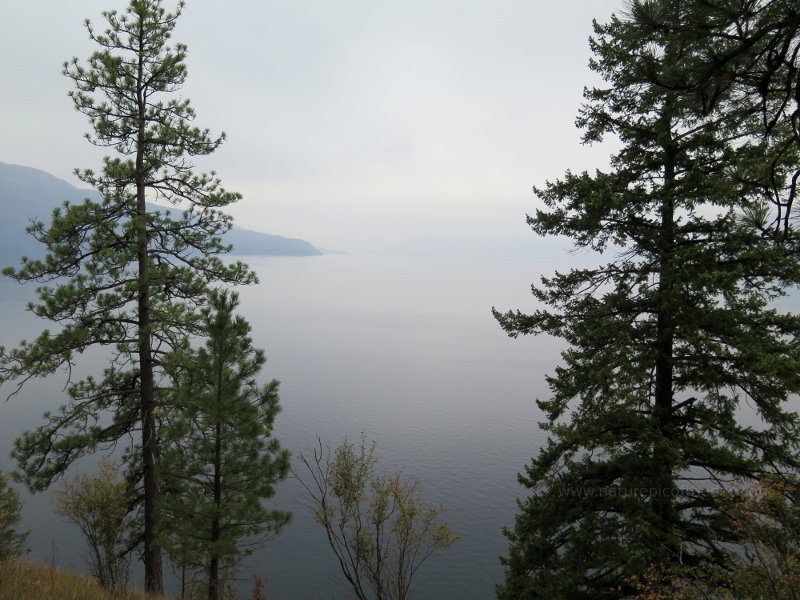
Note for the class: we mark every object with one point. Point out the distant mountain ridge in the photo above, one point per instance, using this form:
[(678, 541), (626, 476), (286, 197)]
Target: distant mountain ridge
[(27, 193)]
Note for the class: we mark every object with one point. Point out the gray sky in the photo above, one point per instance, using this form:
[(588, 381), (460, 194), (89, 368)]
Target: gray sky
[(357, 125)]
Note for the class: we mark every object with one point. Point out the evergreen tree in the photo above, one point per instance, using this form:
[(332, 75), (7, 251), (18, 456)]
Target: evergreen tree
[(678, 369), (122, 275), (219, 460), (12, 542)]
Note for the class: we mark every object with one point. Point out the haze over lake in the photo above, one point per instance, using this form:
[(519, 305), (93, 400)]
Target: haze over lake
[(405, 350)]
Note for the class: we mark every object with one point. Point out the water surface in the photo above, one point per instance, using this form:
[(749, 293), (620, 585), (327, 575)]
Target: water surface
[(405, 350)]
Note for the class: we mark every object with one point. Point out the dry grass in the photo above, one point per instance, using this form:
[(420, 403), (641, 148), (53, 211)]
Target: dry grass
[(20, 580)]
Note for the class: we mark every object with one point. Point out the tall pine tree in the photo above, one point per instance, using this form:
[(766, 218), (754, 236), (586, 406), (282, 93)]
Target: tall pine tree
[(122, 275), (219, 461), (678, 371)]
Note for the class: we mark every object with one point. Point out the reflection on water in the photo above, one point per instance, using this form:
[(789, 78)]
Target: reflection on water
[(404, 350)]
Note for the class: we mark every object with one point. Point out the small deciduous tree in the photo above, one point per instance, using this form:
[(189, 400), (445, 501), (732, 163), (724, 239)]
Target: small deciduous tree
[(12, 542), (766, 564), (97, 504), (379, 527), (219, 461)]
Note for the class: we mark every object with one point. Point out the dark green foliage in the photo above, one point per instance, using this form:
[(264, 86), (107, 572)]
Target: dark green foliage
[(679, 370), (120, 277), (12, 542), (218, 459), (744, 63)]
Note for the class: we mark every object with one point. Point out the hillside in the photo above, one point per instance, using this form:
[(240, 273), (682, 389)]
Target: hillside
[(21, 580), (27, 193)]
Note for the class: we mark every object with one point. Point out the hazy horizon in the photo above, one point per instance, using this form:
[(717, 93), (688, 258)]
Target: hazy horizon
[(355, 126)]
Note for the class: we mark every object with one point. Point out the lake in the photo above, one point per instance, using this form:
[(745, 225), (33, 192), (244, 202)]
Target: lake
[(405, 350)]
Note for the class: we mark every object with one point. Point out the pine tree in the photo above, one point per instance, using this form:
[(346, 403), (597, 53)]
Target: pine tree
[(124, 276), (746, 63), (219, 460), (12, 542), (673, 342), (756, 53)]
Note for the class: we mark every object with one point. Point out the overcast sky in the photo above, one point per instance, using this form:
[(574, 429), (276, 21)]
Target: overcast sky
[(355, 124)]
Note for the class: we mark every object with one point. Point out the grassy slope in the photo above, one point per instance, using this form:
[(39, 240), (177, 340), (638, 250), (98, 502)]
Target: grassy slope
[(20, 580)]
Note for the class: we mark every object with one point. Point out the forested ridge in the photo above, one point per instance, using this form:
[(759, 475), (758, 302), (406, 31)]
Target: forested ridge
[(27, 194)]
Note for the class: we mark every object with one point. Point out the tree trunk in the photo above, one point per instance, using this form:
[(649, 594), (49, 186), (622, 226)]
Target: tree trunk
[(152, 551), (663, 467), (153, 576), (213, 568)]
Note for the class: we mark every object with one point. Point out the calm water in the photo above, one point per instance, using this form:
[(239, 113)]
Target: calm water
[(404, 350)]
